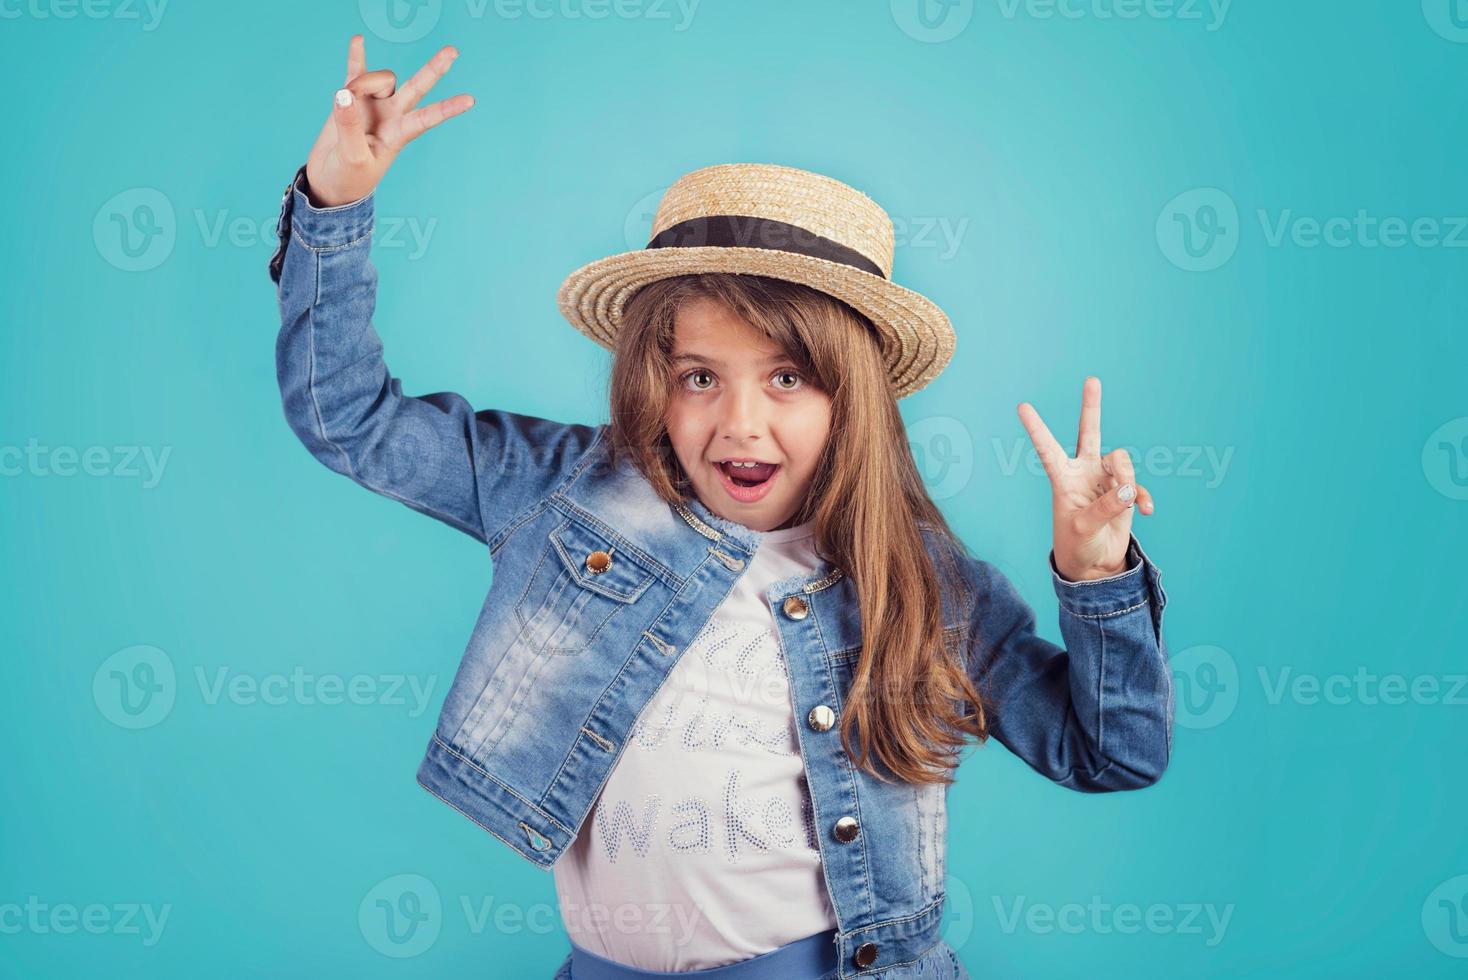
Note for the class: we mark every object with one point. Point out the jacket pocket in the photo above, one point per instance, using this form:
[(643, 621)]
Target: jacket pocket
[(580, 582)]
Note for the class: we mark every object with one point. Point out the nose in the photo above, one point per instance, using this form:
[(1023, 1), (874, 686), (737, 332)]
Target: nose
[(742, 415)]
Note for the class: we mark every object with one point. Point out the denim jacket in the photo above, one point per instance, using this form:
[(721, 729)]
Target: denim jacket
[(598, 585)]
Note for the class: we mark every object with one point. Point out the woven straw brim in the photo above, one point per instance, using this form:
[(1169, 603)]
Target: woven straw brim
[(916, 337)]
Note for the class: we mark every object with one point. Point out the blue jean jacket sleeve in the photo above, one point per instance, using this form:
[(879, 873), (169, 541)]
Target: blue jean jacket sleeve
[(475, 471), (1097, 714)]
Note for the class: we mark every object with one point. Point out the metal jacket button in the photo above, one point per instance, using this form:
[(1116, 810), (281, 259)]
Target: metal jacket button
[(866, 955), (795, 607), (821, 718), (846, 829), (599, 561)]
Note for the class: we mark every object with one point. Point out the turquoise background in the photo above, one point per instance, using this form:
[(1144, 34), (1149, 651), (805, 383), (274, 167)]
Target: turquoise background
[(1327, 382)]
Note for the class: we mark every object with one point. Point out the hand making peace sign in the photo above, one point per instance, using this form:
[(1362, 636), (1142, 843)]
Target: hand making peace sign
[(370, 122), (1091, 495)]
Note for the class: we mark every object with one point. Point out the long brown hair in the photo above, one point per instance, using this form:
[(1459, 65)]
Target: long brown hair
[(867, 502)]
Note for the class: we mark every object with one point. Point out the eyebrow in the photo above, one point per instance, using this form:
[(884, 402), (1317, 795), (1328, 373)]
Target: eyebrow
[(693, 356)]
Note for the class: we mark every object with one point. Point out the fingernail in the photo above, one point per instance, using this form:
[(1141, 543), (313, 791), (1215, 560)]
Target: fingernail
[(1126, 493), (343, 97)]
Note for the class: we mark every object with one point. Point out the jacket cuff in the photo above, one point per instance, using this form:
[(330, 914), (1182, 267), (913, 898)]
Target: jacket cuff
[(317, 227), (1139, 585)]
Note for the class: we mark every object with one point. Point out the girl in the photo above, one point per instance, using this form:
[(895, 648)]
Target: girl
[(731, 648)]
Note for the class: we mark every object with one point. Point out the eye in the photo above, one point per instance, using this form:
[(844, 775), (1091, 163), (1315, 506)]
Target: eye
[(697, 372), (798, 380)]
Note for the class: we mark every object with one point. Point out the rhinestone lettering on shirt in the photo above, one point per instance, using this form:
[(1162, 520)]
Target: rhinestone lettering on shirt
[(749, 665)]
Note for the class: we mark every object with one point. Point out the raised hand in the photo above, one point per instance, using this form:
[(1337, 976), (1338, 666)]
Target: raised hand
[(1092, 496), (371, 120)]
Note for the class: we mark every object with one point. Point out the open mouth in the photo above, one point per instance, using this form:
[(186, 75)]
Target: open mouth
[(747, 481)]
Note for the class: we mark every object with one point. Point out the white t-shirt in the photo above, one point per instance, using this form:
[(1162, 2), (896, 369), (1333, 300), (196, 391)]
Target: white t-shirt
[(701, 849)]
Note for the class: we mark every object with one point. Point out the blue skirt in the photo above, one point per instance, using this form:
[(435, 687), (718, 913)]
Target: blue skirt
[(813, 956)]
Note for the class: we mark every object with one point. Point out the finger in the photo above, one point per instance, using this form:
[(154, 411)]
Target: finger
[(356, 58), (1089, 521), (351, 130), (379, 84), (1118, 463), (426, 77), (1052, 455), (1145, 503), (420, 121), (1088, 439)]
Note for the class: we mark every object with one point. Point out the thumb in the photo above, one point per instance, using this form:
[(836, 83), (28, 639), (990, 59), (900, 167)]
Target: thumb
[(351, 129), (1104, 509)]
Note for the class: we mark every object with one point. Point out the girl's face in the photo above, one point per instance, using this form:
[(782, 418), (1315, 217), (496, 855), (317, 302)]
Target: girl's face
[(736, 396)]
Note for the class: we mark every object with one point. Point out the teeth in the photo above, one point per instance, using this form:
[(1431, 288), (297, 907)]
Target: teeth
[(731, 462)]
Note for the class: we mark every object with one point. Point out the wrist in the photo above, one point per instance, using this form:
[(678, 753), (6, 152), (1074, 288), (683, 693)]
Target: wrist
[(1069, 572), (1090, 574), (326, 226), (321, 201), (327, 199)]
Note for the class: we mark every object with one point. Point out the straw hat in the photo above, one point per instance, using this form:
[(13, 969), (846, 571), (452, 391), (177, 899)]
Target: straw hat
[(767, 220)]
